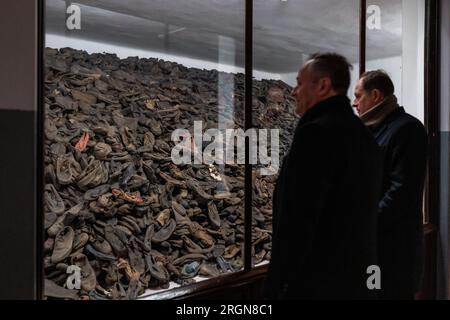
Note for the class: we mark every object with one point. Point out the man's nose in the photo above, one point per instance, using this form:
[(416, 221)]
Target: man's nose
[(293, 92)]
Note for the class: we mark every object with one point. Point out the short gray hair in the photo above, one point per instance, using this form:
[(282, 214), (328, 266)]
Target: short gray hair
[(334, 66)]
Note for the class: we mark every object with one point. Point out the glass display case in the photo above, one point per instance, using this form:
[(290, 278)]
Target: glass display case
[(285, 35), (141, 193), (144, 132), (395, 43)]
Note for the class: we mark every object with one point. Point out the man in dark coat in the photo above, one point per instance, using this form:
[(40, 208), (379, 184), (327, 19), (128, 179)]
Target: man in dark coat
[(403, 140), (325, 200)]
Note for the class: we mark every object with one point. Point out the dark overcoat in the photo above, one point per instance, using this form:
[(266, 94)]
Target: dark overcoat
[(324, 208), (403, 141)]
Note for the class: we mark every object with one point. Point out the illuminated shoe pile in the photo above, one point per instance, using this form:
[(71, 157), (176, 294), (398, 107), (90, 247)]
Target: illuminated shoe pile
[(117, 209)]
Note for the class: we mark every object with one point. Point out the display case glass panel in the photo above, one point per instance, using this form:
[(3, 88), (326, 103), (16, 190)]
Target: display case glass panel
[(142, 191), (144, 141), (285, 35), (395, 43)]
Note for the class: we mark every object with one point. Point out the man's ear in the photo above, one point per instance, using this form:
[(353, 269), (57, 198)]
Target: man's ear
[(377, 96), (325, 86)]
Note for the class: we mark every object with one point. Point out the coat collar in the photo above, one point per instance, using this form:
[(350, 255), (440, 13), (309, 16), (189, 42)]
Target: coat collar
[(382, 127), (380, 112), (339, 103)]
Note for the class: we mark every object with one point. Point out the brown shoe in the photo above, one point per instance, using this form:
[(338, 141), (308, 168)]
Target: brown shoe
[(52, 290), (88, 277), (53, 200), (80, 240), (165, 232), (213, 215), (63, 245)]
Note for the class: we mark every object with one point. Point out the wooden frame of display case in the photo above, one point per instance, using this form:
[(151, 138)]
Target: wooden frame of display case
[(432, 123)]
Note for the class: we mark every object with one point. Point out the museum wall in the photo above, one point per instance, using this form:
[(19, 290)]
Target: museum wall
[(18, 58), (18, 132), (413, 57)]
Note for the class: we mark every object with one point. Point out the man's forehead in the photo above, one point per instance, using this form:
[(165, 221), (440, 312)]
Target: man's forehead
[(305, 67), (358, 85), (303, 71), (309, 63)]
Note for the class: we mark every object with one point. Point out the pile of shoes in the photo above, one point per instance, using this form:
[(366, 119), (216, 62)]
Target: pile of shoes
[(116, 206)]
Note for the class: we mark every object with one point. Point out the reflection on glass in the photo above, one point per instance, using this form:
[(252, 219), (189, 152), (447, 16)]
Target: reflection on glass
[(395, 44), (138, 196), (384, 40), (286, 33)]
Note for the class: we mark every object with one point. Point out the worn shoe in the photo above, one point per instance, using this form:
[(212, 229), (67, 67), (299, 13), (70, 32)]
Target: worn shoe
[(102, 150), (80, 240), (99, 255), (67, 169), (88, 277), (213, 215), (165, 232), (156, 269), (190, 270), (53, 200), (209, 270), (63, 245), (83, 142), (96, 192), (52, 290), (115, 242), (93, 175)]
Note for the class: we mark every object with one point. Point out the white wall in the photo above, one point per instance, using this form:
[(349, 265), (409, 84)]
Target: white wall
[(413, 57), (393, 67)]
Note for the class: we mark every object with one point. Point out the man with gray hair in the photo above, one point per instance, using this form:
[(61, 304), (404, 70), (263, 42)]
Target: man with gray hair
[(403, 141)]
